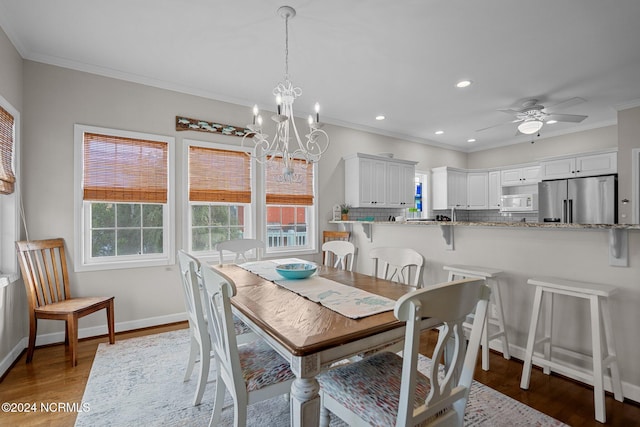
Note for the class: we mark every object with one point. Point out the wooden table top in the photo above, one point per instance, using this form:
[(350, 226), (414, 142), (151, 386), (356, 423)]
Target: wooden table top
[(302, 326)]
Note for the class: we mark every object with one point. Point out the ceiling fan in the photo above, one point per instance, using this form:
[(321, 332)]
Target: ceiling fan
[(532, 116)]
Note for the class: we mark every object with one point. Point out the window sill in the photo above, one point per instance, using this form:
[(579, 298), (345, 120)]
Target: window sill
[(7, 279)]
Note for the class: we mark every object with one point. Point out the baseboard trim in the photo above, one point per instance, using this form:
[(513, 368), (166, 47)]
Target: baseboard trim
[(629, 391), (58, 337)]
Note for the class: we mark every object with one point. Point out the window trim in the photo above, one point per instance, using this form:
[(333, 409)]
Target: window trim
[(10, 208), (186, 204), (312, 233), (83, 261)]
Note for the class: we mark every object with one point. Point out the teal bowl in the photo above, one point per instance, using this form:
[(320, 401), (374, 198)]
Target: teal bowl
[(296, 270)]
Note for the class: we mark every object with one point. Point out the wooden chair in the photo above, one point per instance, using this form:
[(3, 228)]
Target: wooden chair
[(339, 254), (44, 271), (195, 303), (251, 373), (397, 265), (368, 392), (240, 247)]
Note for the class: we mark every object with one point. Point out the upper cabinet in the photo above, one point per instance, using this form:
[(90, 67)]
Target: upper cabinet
[(520, 176), (449, 188), (374, 181), (578, 166)]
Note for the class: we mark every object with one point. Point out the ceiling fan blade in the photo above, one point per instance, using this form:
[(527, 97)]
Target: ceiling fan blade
[(574, 118), (508, 110), (499, 124), (564, 104)]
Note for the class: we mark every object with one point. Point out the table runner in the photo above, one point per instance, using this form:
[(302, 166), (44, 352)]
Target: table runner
[(351, 302)]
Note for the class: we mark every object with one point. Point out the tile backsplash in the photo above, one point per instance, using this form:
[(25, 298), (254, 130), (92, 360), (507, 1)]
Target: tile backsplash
[(488, 215)]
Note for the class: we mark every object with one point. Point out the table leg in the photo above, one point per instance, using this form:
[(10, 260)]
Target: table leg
[(305, 402)]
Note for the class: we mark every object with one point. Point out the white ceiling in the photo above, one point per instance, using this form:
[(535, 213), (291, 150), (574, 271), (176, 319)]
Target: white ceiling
[(359, 58)]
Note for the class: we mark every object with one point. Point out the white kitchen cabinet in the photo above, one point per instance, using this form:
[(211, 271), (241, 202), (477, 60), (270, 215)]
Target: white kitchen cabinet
[(374, 181), (494, 190), (449, 188), (400, 185), (520, 176), (579, 166), (477, 190)]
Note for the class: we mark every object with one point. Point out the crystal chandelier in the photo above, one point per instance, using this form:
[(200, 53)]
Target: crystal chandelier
[(286, 144)]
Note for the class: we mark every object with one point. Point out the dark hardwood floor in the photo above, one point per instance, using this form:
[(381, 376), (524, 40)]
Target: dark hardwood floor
[(50, 379)]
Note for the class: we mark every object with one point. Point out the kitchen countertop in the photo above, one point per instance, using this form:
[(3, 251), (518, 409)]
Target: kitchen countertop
[(501, 224)]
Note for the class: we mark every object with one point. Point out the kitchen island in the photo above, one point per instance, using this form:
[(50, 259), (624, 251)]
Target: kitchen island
[(580, 252)]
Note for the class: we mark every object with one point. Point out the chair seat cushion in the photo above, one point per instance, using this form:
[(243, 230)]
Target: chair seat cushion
[(240, 327), (370, 388), (262, 366)]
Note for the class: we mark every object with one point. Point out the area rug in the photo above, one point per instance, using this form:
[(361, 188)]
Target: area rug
[(139, 382)]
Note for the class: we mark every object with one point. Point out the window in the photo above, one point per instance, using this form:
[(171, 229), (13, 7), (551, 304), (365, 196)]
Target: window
[(290, 208), (9, 190), (124, 198), (220, 196)]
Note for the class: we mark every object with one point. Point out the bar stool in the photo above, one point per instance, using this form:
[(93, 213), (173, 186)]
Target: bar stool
[(494, 318), (598, 296)]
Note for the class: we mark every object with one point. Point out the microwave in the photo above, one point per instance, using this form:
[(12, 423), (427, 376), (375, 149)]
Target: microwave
[(519, 203)]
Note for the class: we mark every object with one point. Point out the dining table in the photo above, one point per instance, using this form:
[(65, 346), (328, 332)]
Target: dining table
[(310, 336)]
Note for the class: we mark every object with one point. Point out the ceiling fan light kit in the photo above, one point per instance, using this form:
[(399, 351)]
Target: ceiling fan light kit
[(530, 127)]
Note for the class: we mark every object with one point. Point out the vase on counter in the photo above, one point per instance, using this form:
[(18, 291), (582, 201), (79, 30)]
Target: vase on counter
[(344, 217)]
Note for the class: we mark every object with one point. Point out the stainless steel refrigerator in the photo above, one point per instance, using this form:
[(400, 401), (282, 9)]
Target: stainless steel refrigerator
[(591, 200)]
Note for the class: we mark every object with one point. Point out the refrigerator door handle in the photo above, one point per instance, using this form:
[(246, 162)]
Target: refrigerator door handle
[(571, 210), (564, 210)]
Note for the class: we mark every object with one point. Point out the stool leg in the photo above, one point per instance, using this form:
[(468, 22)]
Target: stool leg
[(535, 315), (611, 351), (548, 324), (497, 300), (596, 339)]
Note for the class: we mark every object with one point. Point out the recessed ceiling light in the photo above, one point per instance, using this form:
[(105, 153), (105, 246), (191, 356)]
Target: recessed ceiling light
[(550, 122), (471, 140), (380, 117), (463, 83), (439, 132)]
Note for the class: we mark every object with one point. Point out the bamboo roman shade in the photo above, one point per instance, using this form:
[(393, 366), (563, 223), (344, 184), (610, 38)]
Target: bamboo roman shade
[(219, 175), (7, 177), (282, 192), (119, 169)]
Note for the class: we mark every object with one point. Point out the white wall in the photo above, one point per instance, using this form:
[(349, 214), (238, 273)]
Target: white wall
[(579, 142)]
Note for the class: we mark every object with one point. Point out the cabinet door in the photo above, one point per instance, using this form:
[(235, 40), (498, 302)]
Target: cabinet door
[(378, 179), (597, 164), (511, 177), (495, 190), (477, 190), (371, 182), (558, 169), (531, 175), (439, 188), (457, 193), (394, 185)]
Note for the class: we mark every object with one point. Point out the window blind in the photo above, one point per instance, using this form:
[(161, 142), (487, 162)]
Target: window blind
[(219, 175), (7, 176), (281, 192), (119, 169)]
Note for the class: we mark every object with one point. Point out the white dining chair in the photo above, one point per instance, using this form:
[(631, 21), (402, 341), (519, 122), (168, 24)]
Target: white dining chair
[(398, 265), (251, 373), (200, 342), (339, 254), (388, 389), (241, 248)]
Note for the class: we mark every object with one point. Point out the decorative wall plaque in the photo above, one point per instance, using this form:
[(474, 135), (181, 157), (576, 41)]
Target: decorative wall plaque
[(185, 123)]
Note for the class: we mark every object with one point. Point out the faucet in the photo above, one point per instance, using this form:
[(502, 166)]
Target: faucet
[(453, 213)]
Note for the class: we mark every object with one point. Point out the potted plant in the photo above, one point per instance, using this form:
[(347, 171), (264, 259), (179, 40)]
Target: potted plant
[(344, 211)]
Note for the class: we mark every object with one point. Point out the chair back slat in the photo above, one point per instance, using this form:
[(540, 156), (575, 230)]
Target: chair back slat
[(44, 271)]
